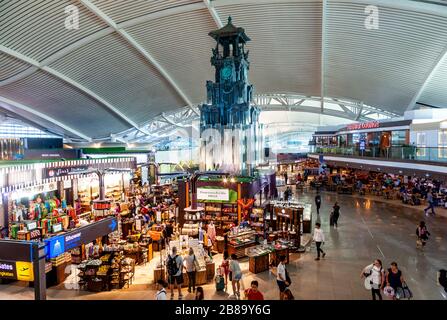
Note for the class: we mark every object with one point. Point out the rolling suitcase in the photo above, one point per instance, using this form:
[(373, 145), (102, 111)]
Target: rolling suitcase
[(220, 283)]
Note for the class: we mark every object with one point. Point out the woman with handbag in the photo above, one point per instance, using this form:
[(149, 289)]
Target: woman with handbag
[(394, 279), (422, 234), (191, 266), (375, 274)]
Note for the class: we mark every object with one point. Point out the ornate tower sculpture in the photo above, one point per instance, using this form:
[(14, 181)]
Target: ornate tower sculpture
[(231, 136)]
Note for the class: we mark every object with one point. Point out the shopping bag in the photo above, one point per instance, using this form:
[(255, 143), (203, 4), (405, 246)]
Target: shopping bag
[(407, 294), (388, 291)]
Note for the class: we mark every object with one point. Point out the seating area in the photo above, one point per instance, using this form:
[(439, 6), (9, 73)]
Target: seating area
[(410, 190)]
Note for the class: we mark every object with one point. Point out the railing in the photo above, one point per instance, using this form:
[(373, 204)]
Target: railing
[(438, 154)]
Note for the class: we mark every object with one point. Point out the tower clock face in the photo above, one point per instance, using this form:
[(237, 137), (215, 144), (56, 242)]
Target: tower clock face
[(226, 72)]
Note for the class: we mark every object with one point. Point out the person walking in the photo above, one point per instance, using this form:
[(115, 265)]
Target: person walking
[(335, 214), (422, 234), (225, 267), (253, 292), (318, 237), (285, 177), (376, 274), (394, 278), (318, 202), (431, 204), (174, 264), (191, 266), (236, 274), (161, 290), (281, 276)]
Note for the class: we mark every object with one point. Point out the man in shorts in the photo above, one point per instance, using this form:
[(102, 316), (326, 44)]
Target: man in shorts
[(174, 266), (281, 277)]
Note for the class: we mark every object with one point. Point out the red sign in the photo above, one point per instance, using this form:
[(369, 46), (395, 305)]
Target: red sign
[(363, 125)]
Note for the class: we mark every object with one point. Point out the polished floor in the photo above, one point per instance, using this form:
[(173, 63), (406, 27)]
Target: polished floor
[(368, 229)]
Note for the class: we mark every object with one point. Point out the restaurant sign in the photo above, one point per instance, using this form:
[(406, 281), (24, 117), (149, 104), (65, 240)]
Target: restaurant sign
[(363, 125)]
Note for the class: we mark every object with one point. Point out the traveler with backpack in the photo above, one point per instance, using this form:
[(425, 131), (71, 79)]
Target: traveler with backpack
[(422, 234), (191, 266), (174, 264), (376, 276)]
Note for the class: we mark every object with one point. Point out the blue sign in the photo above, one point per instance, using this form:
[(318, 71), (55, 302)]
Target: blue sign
[(112, 226), (55, 246), (362, 145)]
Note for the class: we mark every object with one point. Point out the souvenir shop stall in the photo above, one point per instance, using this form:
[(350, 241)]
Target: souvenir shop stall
[(206, 271)]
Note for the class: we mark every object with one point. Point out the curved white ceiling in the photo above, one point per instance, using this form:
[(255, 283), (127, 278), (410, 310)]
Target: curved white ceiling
[(132, 60)]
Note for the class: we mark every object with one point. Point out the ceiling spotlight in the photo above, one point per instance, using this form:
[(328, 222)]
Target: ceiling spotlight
[(225, 180), (232, 180)]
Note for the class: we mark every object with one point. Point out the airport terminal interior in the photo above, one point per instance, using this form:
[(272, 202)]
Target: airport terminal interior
[(223, 150)]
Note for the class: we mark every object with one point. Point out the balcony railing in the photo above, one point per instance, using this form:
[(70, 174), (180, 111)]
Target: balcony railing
[(438, 154)]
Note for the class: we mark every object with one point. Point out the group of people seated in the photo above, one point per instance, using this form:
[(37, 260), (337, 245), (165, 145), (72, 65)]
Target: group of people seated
[(411, 190)]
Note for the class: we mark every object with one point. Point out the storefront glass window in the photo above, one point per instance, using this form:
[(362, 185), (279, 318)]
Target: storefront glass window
[(398, 138), (421, 144), (442, 144)]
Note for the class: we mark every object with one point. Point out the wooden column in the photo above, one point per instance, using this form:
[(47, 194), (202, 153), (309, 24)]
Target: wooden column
[(239, 212)]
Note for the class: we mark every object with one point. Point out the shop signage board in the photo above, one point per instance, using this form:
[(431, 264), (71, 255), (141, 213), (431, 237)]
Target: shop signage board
[(12, 250), (363, 125), (362, 145), (63, 171), (83, 235), (213, 194)]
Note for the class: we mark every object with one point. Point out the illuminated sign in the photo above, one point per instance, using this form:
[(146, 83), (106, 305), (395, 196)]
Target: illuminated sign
[(18, 270), (213, 194), (363, 125)]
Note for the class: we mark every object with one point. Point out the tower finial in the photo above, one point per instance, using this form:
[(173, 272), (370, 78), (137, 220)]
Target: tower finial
[(229, 19)]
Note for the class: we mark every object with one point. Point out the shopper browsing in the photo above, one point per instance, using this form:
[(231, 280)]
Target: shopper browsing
[(174, 265), (191, 266), (281, 276), (253, 293), (318, 237), (376, 277), (161, 290), (236, 276)]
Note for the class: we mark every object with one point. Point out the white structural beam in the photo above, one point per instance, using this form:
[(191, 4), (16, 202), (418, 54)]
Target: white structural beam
[(44, 116), (213, 13), (95, 10), (70, 81), (442, 57), (323, 52)]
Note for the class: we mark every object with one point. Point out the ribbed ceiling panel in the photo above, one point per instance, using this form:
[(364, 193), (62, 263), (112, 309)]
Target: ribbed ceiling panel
[(384, 67), (37, 28), (180, 43), (119, 74), (435, 92), (62, 102), (285, 51), (10, 66), (121, 11)]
